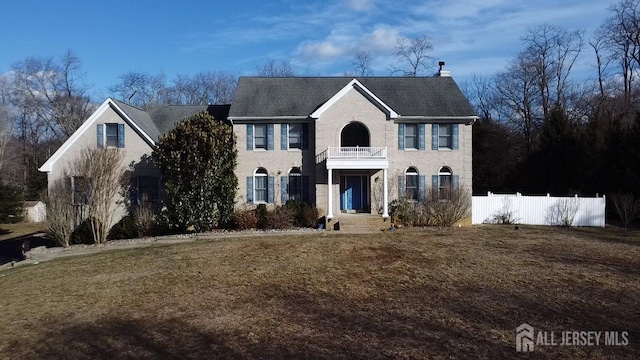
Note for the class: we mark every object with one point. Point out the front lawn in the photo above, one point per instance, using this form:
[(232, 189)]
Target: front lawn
[(435, 294)]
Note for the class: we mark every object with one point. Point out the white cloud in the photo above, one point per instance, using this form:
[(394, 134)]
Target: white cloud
[(324, 50), (382, 39), (360, 5)]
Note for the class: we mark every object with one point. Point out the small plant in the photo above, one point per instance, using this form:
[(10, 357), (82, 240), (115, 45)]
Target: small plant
[(261, 215), (450, 210), (563, 212), (143, 217), (124, 229), (245, 219), (628, 208), (282, 217), (506, 215)]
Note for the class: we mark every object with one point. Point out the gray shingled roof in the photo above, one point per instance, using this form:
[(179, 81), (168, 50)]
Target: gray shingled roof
[(162, 119), (300, 96)]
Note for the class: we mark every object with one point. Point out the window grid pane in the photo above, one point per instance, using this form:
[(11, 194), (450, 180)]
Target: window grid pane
[(112, 134), (260, 136), (411, 136), (261, 188), (412, 186), (295, 187), (295, 136), (444, 136)]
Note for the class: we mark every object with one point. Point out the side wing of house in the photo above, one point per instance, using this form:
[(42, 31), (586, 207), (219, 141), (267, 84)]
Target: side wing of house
[(109, 127)]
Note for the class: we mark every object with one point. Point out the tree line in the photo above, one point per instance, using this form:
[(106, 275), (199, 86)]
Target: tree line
[(541, 130)]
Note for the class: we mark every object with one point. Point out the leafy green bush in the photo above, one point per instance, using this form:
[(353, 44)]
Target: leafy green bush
[(124, 229), (262, 216), (82, 234)]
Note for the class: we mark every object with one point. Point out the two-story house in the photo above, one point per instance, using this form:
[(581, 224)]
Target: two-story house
[(350, 144), (346, 144)]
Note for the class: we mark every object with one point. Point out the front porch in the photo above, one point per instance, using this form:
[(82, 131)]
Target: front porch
[(354, 168)]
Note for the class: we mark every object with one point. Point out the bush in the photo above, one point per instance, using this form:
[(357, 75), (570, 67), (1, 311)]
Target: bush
[(434, 210), (282, 217), (305, 215), (144, 218), (82, 234), (261, 215), (124, 229), (245, 219), (448, 211), (10, 204)]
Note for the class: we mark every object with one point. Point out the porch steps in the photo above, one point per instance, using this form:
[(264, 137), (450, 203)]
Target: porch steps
[(358, 223)]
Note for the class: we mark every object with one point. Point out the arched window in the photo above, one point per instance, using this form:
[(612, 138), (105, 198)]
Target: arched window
[(354, 134), (260, 188), (411, 183), (295, 184), (445, 183)]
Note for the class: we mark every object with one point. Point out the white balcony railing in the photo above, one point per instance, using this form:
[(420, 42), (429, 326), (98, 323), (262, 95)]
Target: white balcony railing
[(357, 152)]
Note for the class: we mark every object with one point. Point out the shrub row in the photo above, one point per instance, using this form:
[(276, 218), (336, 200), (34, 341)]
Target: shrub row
[(435, 210), (292, 214)]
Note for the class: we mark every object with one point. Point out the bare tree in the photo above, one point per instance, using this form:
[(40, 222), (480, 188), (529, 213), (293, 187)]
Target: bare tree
[(552, 51), (618, 40), (361, 63), (413, 56), (141, 89), (6, 130), (517, 95), (628, 208), (103, 172), (275, 68), (61, 212), (52, 92), (481, 92)]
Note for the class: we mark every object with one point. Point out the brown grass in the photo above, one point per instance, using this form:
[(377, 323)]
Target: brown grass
[(12, 231), (439, 294)]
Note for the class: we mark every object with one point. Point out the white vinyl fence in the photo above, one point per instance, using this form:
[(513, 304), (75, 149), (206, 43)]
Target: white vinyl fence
[(538, 210)]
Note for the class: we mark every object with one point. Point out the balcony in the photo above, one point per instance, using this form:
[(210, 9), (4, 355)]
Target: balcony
[(357, 157)]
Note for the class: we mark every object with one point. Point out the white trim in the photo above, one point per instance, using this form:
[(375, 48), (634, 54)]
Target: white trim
[(468, 120), (109, 103), (267, 118), (353, 84)]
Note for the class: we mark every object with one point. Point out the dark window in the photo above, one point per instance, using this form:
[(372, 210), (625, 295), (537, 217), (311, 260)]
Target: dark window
[(81, 190), (411, 136), (444, 182), (295, 184), (411, 184), (112, 135), (295, 136), (260, 136), (261, 186), (445, 136)]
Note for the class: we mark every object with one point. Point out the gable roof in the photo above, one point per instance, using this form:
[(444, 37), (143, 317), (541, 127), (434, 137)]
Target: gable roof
[(149, 125), (438, 97)]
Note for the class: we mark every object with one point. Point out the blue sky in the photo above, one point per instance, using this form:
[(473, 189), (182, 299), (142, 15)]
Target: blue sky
[(319, 37)]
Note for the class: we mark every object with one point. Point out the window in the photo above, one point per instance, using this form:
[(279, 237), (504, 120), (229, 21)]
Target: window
[(295, 136), (144, 187), (81, 190), (444, 182), (411, 136), (411, 184), (445, 136), (110, 135), (261, 186), (260, 136), (295, 184)]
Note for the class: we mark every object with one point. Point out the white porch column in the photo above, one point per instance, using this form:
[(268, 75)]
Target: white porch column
[(330, 195), (385, 195)]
